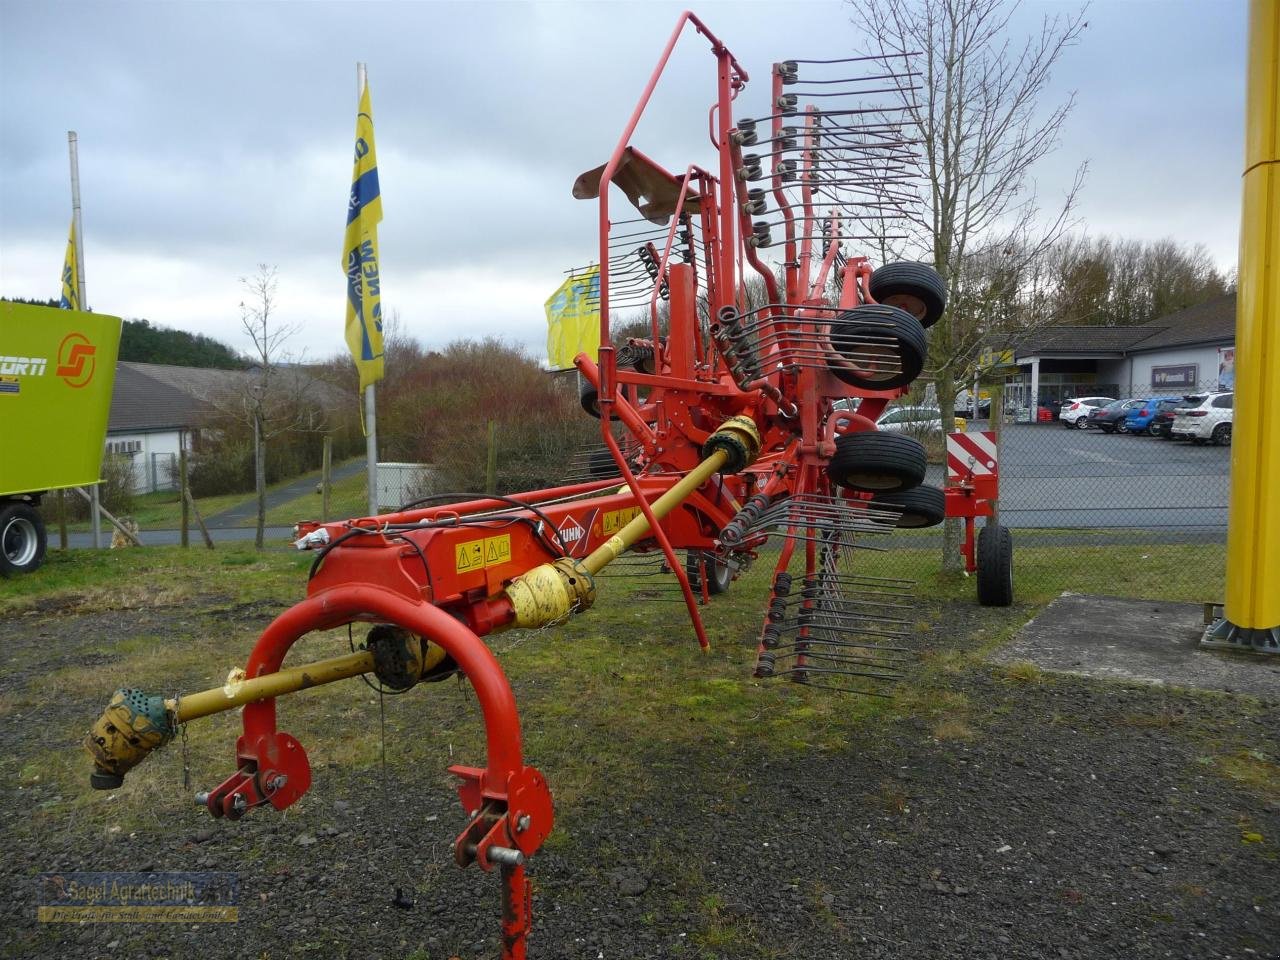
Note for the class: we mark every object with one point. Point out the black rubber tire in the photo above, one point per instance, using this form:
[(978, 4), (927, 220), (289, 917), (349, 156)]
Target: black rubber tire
[(995, 565), (1150, 431), (719, 573), (1222, 435), (587, 396), (600, 465), (877, 462), (22, 539), (896, 335), (924, 506), (914, 287)]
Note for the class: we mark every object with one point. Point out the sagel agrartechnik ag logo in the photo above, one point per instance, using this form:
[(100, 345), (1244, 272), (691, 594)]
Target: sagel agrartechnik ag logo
[(122, 897)]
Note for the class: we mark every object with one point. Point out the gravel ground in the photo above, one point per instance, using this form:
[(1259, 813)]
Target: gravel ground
[(1062, 819)]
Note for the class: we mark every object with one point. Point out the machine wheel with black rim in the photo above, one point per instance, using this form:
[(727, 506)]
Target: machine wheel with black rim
[(719, 573), (1222, 435), (876, 347), (995, 565), (877, 462), (923, 506), (22, 539), (914, 287)]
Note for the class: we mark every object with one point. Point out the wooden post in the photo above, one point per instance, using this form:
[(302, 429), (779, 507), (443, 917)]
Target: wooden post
[(125, 531), (491, 470), (62, 519), (326, 478), (184, 539), (208, 540)]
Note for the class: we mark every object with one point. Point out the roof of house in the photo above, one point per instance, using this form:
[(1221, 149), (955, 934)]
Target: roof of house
[(141, 403), (1082, 339), (1211, 322), (160, 396)]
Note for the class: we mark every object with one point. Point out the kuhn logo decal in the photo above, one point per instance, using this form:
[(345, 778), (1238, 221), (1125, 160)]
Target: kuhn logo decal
[(76, 360), (571, 531)]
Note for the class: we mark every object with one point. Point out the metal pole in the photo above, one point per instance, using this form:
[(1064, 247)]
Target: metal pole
[(1252, 614), (370, 404), (73, 148), (326, 477)]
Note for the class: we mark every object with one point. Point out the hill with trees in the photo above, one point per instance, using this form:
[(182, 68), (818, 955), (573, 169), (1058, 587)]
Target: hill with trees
[(143, 342)]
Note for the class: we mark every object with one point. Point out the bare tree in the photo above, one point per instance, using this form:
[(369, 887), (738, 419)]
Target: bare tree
[(974, 108), (270, 401)]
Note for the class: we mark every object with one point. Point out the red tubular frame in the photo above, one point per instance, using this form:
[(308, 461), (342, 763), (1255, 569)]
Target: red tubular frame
[(336, 606)]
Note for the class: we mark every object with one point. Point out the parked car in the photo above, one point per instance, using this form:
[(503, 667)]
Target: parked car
[(1203, 417), (1075, 412), (915, 420), (1143, 418), (1162, 422), (1111, 418)]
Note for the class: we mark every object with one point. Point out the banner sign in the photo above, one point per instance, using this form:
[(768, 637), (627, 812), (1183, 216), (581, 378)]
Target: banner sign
[(1176, 375)]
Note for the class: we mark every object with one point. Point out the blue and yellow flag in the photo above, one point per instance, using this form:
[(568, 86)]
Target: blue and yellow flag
[(573, 319), (70, 298), (360, 253)]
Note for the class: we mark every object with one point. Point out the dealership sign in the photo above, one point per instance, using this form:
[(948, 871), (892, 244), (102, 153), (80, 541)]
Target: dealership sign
[(1177, 375)]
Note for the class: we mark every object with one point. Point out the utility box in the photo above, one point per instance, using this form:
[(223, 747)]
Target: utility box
[(399, 483)]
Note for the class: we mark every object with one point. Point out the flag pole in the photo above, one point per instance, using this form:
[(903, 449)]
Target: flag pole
[(73, 148), (370, 408)]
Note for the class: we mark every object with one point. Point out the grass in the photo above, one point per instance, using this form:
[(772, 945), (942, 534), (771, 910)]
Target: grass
[(348, 497), (613, 703)]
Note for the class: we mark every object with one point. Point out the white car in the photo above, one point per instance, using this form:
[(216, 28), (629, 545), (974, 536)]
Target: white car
[(914, 420), (1204, 416), (1075, 413)]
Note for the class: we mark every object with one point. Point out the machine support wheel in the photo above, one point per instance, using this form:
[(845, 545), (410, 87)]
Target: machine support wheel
[(877, 462), (22, 539), (719, 573), (1222, 435), (876, 347), (995, 565), (924, 506), (914, 287), (589, 398)]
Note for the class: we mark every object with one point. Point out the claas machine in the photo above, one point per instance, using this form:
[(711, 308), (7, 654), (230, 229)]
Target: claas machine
[(741, 428)]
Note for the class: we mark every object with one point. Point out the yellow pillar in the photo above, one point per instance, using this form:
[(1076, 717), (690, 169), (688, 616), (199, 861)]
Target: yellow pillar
[(1252, 613)]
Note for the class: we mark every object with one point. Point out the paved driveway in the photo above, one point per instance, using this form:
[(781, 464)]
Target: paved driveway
[(1054, 477)]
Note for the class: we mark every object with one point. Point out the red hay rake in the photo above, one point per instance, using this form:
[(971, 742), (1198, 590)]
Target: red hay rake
[(731, 427)]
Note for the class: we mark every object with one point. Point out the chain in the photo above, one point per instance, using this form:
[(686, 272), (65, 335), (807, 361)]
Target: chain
[(186, 758)]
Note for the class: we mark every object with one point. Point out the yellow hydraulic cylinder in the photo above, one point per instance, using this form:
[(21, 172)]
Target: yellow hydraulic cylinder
[(1252, 614)]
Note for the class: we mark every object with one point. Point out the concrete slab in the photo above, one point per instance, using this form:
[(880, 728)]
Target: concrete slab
[(1148, 641)]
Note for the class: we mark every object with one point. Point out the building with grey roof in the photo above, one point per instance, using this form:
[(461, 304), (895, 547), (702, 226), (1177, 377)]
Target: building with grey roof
[(1192, 349)]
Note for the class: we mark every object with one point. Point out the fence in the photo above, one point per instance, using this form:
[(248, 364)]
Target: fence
[(1108, 504)]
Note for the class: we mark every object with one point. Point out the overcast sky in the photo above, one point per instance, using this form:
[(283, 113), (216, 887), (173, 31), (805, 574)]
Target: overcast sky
[(218, 135)]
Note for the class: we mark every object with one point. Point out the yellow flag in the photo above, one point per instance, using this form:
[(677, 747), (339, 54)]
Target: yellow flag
[(573, 319), (70, 298), (360, 253)]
